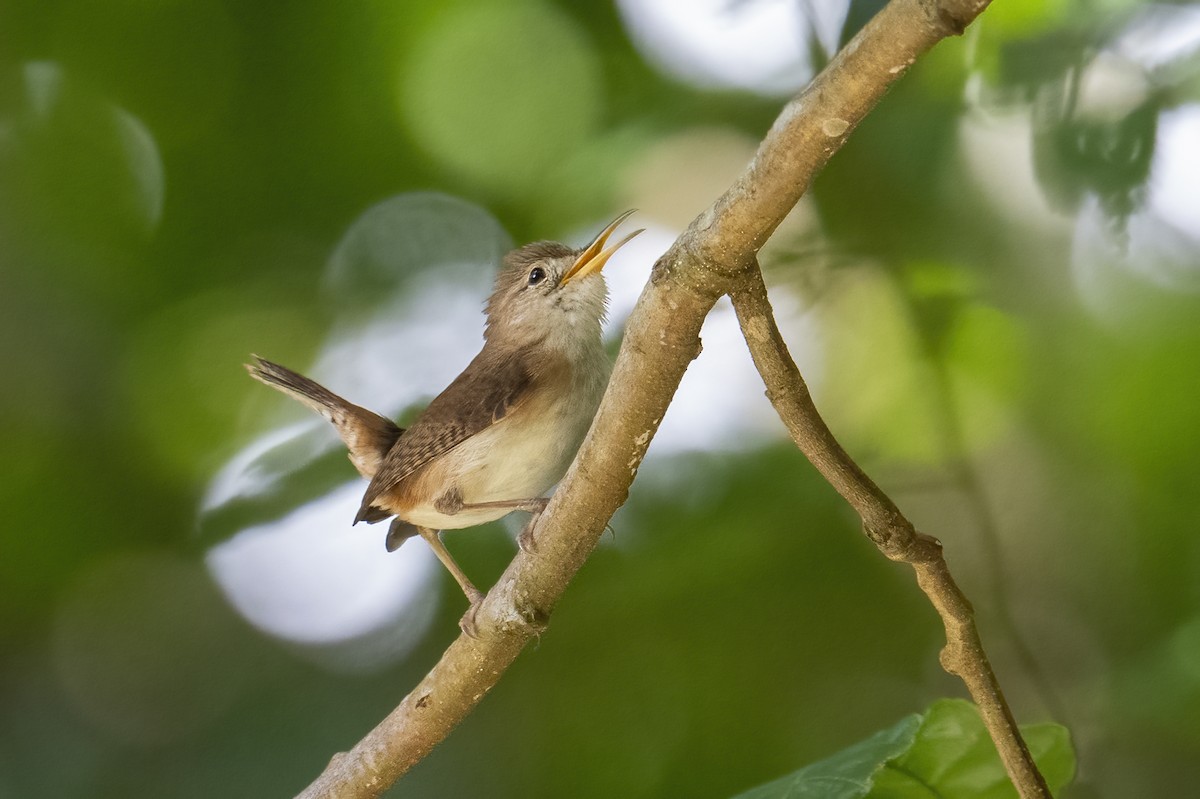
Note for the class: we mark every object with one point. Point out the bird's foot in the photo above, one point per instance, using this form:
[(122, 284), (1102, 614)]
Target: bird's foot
[(468, 622), (526, 541)]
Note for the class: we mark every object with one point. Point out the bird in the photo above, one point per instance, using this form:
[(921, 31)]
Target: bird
[(505, 430)]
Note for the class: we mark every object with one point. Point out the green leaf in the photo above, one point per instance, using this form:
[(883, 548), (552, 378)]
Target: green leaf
[(846, 775), (953, 756), (945, 753)]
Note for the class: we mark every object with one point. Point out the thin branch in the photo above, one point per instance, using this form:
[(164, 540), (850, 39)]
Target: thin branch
[(965, 478), (887, 527), (661, 338)]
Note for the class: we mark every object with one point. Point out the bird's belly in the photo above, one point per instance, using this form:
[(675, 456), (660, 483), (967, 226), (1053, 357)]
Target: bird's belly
[(427, 515), (513, 459)]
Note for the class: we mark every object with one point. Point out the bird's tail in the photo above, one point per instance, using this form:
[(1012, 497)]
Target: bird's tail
[(368, 435)]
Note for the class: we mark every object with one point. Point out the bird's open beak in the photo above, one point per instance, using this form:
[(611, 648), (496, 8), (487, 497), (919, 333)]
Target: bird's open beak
[(596, 256)]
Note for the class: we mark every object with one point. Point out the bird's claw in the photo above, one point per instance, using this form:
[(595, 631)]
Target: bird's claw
[(526, 541), (468, 622)]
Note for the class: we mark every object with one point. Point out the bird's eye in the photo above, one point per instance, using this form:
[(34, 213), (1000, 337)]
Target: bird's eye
[(536, 275)]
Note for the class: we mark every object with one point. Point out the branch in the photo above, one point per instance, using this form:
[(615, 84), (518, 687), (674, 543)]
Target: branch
[(661, 338), (886, 526)]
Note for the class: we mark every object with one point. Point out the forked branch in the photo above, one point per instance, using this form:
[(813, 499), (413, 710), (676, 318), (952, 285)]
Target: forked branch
[(711, 258), (886, 526)]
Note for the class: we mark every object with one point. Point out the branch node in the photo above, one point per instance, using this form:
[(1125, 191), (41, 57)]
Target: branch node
[(522, 617), (950, 661), (898, 541), (949, 16)]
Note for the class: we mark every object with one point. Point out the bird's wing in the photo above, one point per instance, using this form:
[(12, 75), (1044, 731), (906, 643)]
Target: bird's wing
[(477, 399)]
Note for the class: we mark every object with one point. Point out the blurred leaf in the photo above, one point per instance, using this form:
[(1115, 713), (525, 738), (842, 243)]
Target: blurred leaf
[(1025, 17), (588, 182), (944, 753), (175, 61), (935, 279), (878, 396), (135, 644), (1149, 426), (987, 346), (982, 352), (499, 94), (83, 178), (1103, 145), (408, 235), (202, 342)]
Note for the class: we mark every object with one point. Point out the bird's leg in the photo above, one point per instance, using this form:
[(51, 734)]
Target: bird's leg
[(451, 503), (535, 506), (474, 595)]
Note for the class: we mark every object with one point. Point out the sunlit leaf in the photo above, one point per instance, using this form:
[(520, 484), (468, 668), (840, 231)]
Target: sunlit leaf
[(953, 757), (944, 753)]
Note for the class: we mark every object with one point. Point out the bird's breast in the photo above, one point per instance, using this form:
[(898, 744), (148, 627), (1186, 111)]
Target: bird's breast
[(519, 457), (527, 452)]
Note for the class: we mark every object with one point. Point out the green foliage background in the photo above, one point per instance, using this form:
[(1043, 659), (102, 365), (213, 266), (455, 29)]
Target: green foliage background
[(173, 178)]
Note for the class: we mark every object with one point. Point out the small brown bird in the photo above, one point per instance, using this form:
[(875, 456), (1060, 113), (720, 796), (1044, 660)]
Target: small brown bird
[(506, 429)]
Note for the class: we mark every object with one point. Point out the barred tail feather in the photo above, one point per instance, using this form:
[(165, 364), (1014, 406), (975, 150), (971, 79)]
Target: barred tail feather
[(368, 435)]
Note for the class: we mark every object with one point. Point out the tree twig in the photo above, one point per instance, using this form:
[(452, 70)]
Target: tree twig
[(964, 477), (661, 339), (886, 526)]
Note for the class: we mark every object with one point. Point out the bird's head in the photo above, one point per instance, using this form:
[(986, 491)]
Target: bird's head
[(552, 295)]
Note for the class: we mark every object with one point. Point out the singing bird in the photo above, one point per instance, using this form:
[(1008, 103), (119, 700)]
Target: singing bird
[(506, 429)]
